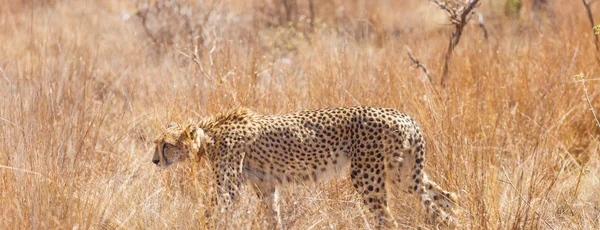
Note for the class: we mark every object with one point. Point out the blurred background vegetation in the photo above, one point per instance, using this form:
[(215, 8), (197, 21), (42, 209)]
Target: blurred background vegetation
[(86, 85)]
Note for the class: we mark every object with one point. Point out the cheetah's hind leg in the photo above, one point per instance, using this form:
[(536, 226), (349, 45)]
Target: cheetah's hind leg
[(405, 173), (444, 200)]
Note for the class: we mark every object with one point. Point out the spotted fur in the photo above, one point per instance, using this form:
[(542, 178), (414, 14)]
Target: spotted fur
[(383, 149)]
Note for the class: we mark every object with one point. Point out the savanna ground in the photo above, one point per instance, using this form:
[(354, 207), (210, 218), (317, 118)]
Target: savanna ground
[(86, 87)]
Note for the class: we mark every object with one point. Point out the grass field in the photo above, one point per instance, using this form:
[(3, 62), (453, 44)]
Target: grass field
[(84, 92)]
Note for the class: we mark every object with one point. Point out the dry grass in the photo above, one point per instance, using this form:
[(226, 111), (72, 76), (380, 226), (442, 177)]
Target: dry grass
[(84, 92)]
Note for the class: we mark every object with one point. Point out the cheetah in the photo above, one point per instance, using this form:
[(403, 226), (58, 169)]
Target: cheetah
[(383, 149)]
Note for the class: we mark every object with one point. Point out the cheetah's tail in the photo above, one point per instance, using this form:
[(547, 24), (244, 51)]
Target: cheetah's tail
[(444, 202)]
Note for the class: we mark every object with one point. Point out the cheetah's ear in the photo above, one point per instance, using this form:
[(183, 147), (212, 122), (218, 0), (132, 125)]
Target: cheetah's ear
[(194, 137), (172, 124), (192, 131)]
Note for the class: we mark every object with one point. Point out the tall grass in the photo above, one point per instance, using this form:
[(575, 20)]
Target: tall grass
[(84, 92)]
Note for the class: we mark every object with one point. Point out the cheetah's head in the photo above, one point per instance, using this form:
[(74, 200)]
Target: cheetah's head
[(177, 143)]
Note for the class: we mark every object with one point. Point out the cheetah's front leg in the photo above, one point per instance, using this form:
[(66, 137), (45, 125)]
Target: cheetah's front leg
[(228, 178), (368, 180)]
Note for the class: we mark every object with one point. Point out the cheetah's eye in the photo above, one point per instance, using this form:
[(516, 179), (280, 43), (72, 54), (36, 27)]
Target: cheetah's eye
[(164, 147)]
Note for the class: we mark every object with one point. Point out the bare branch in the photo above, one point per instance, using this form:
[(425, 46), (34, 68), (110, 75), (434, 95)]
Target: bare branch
[(591, 18), (465, 15), (311, 7), (143, 14), (482, 26), (418, 64), (290, 10), (459, 14), (451, 12)]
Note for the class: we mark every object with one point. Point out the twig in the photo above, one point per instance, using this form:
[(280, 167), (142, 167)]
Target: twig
[(523, 199), (482, 26), (459, 16), (20, 170), (538, 6), (287, 4), (311, 7), (591, 18), (143, 15), (587, 97), (418, 64), (196, 59)]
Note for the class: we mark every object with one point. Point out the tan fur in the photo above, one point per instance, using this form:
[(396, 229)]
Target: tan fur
[(383, 148)]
